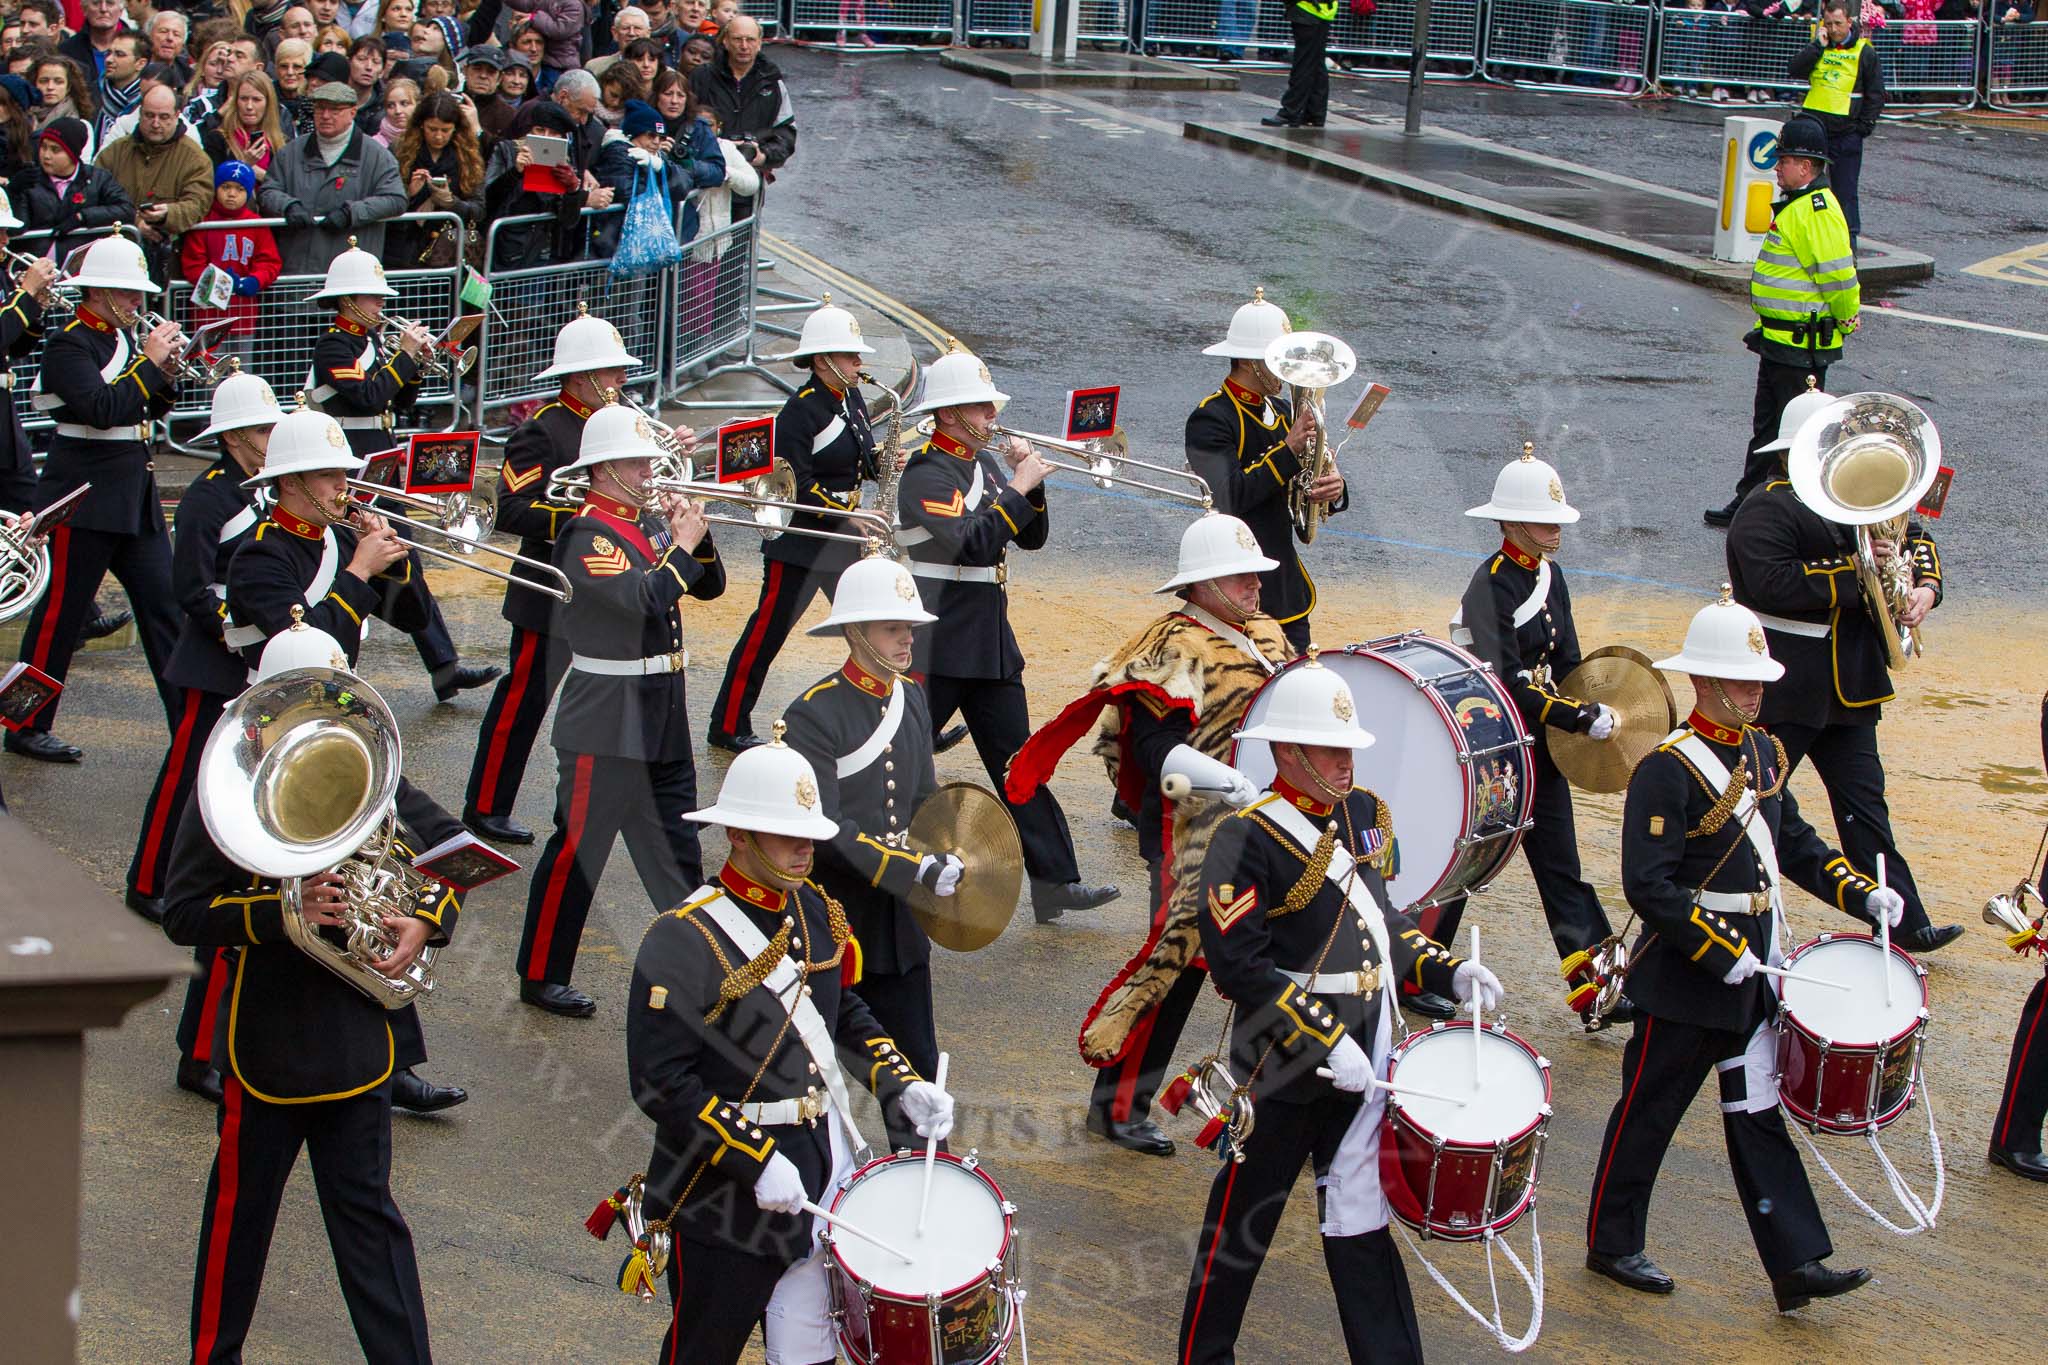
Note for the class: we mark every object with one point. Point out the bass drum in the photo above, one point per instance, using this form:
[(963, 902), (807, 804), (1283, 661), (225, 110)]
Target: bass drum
[(1450, 758)]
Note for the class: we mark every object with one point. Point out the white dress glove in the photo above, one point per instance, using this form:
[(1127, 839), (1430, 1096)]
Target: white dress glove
[(929, 1108), (1476, 976), (1605, 718), (1886, 904), (1188, 771), (941, 873), (1350, 1069), (780, 1189), (1745, 967)]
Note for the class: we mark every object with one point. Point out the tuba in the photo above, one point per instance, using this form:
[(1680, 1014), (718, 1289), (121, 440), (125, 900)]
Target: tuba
[(1865, 461), (1312, 363), (300, 777)]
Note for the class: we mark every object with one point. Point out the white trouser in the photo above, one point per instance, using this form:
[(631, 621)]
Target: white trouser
[(799, 1317), (1353, 1202)]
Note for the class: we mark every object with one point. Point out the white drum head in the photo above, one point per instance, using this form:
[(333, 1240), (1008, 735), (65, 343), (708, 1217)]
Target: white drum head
[(1502, 1096), (1413, 765), (1857, 1016), (963, 1234)]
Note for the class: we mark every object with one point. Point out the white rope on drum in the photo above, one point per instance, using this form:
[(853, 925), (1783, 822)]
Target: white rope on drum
[(1923, 1213), (1510, 1344)]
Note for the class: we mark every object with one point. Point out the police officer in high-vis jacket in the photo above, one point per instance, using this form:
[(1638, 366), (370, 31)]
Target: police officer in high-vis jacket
[(1306, 103), (1243, 439), (1803, 288), (591, 362), (822, 434), (1845, 95)]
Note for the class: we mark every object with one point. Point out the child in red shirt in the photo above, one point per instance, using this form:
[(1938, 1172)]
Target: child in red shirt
[(247, 253)]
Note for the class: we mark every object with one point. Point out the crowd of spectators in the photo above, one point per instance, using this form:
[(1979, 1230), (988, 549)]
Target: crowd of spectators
[(195, 122)]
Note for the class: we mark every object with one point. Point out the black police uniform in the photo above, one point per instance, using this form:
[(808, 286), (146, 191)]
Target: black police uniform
[(1237, 440), (272, 570), (862, 867), (1676, 834), (694, 1059), (1256, 926), (1530, 660), (21, 331), (824, 435), (307, 1060), (101, 439), (1797, 570), (622, 743), (355, 384), (959, 517), (542, 445)]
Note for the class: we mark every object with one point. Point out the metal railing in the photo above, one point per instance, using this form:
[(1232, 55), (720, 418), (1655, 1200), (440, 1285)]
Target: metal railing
[(2016, 72), (911, 18), (1927, 63), (1570, 42), (1235, 28)]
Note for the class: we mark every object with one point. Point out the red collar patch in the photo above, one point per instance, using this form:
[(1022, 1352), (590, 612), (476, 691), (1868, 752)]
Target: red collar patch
[(864, 680), (941, 441), (351, 326), (573, 405), (1300, 800), (604, 502), (749, 892), (1719, 734), (1520, 556), (94, 320), (1255, 401), (297, 525)]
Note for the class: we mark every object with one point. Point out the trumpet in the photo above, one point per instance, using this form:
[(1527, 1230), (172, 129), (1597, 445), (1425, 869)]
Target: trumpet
[(875, 532), (465, 523), (1108, 460), (63, 294), (437, 358)]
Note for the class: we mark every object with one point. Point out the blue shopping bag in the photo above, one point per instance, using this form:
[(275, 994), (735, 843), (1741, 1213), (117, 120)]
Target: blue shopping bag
[(648, 242)]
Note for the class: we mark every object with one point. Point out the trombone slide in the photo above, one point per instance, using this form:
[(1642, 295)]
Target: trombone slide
[(1107, 467), (556, 587)]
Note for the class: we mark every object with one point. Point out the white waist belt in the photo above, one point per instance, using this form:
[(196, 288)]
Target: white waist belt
[(1334, 983), (381, 422), (962, 573), (1735, 902), (632, 668), (781, 1113), (1812, 630), (84, 433)]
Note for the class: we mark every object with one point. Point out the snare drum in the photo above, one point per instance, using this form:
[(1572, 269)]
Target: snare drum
[(1460, 1171), (1847, 1062), (1450, 758), (950, 1306)]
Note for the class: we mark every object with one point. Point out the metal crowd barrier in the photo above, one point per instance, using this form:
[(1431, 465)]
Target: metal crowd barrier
[(1927, 62), (1004, 19), (2017, 72), (1235, 28), (768, 12), (1570, 42), (912, 18)]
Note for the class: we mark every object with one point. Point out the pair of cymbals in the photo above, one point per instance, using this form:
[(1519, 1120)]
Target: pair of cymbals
[(1627, 683)]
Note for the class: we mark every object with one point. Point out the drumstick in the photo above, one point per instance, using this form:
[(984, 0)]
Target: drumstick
[(931, 1151), (841, 1225), (1392, 1089), (1478, 1056), (1884, 937), (1782, 974)]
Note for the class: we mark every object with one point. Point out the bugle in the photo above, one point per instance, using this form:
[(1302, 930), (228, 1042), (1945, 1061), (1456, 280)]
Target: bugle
[(1107, 463), (476, 518)]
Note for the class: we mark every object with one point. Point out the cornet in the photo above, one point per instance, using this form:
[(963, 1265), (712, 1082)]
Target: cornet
[(64, 294), (437, 358), (464, 522), (210, 370)]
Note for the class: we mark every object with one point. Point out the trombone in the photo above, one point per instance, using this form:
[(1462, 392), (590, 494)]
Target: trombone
[(1108, 464), (768, 512), (436, 358), (475, 520)]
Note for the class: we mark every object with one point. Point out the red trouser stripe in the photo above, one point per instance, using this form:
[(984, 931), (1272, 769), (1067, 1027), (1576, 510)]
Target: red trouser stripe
[(2019, 1069), (53, 598), (209, 1011), (736, 684), (675, 1322), (1209, 1263), (508, 716), (558, 875), (166, 794), (1600, 1188), (227, 1165), (1132, 1066)]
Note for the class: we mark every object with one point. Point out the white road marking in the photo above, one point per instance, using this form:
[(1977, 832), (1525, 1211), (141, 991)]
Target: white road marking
[(1965, 325)]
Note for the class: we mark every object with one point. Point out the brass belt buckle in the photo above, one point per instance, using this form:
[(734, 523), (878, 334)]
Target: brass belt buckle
[(810, 1107), (1002, 572), (677, 660), (1358, 983), (1760, 902), (389, 420)]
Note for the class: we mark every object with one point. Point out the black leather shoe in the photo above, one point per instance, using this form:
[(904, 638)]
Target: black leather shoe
[(2028, 1165), (733, 744), (42, 746), (949, 738), (416, 1096), (1430, 1005), (1927, 938), (1635, 1271), (200, 1079), (150, 908), (1721, 516), (105, 623), (1119, 811), (1815, 1281), (1141, 1136), (499, 829), (566, 1001), (462, 677), (1050, 900), (1275, 121)]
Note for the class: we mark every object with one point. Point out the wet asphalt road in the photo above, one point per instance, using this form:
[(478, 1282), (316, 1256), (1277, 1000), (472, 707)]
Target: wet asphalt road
[(1075, 243)]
